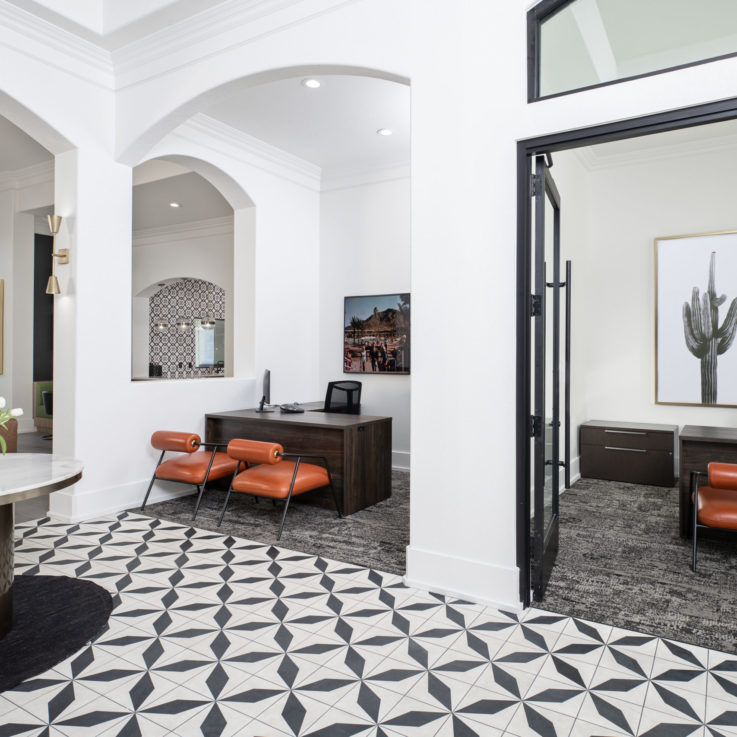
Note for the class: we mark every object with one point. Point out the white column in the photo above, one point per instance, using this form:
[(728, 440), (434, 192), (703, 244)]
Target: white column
[(92, 322), (239, 310), (19, 355)]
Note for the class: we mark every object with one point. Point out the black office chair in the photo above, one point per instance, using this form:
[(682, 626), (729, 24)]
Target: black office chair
[(343, 396)]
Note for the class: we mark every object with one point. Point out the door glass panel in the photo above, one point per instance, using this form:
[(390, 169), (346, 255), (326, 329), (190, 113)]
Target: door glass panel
[(588, 42), (550, 394)]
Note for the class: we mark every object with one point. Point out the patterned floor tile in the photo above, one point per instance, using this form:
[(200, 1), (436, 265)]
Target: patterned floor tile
[(213, 635)]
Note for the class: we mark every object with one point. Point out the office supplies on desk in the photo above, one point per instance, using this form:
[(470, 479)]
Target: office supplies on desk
[(294, 408)]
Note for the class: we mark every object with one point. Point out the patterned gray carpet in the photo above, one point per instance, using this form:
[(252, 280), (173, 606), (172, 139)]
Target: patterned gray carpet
[(374, 538), (621, 562)]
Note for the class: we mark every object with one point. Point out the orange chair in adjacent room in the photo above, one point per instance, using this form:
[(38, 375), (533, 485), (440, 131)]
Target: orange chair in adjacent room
[(715, 505), (268, 475), (192, 466)]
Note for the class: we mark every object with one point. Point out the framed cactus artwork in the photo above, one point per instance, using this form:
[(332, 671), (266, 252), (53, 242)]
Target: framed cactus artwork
[(696, 319)]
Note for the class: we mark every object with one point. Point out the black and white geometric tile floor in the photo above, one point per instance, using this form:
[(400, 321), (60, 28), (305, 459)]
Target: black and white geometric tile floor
[(213, 635)]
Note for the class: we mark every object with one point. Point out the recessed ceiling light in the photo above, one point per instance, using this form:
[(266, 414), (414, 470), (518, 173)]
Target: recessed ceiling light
[(384, 131), (313, 84), (174, 204)]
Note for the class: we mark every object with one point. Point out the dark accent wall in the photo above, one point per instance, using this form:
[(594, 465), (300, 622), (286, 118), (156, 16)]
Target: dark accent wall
[(43, 311)]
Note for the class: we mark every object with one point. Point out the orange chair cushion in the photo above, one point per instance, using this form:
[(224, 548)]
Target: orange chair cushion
[(723, 475), (255, 451), (192, 468), (184, 442), (717, 507), (274, 481)]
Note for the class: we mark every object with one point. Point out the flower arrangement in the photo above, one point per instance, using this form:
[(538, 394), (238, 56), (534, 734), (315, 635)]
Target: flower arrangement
[(5, 415)]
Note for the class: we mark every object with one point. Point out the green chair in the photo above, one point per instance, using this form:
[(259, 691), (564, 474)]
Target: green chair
[(41, 418)]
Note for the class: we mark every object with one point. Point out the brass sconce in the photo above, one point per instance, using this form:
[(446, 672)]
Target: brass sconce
[(62, 254)]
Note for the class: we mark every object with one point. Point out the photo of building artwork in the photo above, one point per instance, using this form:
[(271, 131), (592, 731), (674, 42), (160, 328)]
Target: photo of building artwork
[(376, 334)]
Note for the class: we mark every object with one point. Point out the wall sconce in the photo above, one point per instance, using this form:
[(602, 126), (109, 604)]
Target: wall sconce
[(52, 287), (183, 323), (207, 323), (160, 326)]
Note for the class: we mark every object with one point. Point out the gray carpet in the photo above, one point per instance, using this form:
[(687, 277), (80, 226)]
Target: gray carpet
[(374, 538), (622, 562)]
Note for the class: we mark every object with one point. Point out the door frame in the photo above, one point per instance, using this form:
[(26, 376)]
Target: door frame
[(686, 117)]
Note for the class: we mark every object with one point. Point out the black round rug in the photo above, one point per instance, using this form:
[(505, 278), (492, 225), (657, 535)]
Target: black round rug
[(53, 617)]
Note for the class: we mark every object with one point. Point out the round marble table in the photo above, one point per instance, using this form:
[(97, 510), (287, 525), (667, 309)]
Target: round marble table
[(24, 476)]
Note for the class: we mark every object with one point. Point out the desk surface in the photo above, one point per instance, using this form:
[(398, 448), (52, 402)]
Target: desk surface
[(311, 416), (700, 433)]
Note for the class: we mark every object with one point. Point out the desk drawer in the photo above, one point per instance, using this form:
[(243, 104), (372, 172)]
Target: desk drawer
[(627, 438), (632, 465)]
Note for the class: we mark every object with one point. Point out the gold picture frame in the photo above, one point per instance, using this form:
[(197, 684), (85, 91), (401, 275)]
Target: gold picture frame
[(696, 365)]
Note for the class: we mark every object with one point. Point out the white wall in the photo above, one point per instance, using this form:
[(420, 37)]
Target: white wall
[(611, 216), (467, 66), (365, 249), (201, 250)]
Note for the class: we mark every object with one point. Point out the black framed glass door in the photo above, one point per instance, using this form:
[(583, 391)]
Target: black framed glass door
[(550, 376)]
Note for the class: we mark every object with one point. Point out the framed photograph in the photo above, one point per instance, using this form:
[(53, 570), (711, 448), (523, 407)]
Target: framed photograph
[(696, 319), (376, 334)]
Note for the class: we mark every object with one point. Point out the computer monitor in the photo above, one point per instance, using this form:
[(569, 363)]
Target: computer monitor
[(263, 405)]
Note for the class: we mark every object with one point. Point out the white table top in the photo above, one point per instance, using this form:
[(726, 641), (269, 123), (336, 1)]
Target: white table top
[(27, 475)]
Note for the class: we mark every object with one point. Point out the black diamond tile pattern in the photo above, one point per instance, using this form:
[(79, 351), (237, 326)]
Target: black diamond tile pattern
[(213, 635)]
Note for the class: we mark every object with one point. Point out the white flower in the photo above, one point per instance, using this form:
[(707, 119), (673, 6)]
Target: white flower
[(2, 402), (16, 412)]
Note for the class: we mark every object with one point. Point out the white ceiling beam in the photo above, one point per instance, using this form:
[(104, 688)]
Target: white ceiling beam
[(593, 31)]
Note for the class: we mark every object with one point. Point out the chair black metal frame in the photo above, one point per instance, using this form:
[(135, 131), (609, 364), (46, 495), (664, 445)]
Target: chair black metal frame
[(200, 487), (352, 390), (287, 499), (694, 482)]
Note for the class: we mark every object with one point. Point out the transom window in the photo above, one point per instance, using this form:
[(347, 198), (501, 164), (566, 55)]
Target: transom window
[(577, 44)]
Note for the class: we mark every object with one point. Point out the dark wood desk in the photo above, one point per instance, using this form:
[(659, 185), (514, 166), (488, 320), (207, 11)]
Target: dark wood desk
[(698, 447), (358, 448)]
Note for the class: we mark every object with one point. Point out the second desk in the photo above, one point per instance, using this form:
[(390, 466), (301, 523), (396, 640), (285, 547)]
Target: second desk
[(358, 448)]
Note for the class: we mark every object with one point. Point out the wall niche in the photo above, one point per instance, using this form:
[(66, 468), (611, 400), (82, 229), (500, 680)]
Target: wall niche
[(176, 313)]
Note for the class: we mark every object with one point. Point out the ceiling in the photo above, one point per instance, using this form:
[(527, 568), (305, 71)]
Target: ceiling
[(112, 24), (18, 150), (333, 127), (197, 198)]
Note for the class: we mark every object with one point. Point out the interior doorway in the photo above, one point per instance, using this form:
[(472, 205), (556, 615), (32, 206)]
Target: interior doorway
[(529, 362)]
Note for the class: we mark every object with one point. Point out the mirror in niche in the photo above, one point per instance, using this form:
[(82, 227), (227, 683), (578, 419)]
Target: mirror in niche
[(209, 343)]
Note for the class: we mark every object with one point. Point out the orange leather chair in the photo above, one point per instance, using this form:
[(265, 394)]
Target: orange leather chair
[(715, 505), (192, 466), (268, 475)]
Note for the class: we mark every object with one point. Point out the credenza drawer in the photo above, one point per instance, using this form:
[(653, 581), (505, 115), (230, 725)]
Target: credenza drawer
[(627, 438), (636, 466)]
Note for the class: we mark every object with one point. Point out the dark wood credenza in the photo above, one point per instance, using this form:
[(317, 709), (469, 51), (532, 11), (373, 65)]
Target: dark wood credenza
[(358, 448), (634, 452), (699, 446)]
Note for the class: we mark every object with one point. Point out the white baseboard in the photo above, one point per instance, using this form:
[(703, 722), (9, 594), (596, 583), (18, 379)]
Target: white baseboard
[(575, 474), (400, 460), (25, 424), (472, 580), (72, 507)]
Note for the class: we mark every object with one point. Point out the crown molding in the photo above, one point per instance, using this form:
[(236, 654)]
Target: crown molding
[(209, 228), (224, 139), (344, 179), (206, 33), (593, 161), (29, 176), (55, 46)]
